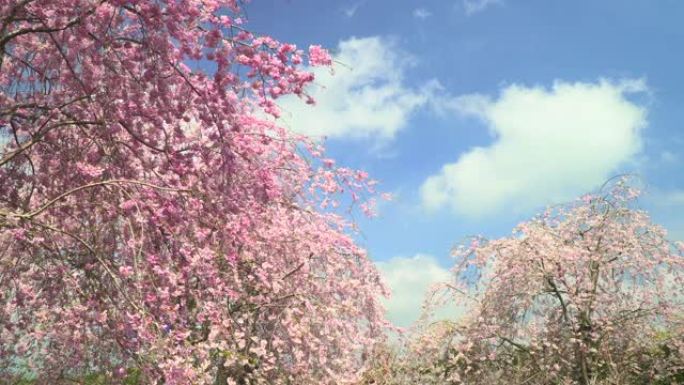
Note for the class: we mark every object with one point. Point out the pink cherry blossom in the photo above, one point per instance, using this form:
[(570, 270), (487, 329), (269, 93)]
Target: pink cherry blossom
[(151, 222), (580, 294), (319, 56)]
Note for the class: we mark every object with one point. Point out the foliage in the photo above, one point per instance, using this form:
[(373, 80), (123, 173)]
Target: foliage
[(151, 221)]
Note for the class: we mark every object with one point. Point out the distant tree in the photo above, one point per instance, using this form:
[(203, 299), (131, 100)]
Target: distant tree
[(587, 293), (419, 356), (151, 225)]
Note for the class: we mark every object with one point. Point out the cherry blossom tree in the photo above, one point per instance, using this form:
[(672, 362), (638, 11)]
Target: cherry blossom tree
[(590, 292), (152, 226), (419, 355)]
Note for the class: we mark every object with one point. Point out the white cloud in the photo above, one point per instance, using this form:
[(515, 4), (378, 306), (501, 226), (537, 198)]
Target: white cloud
[(670, 198), (667, 206), (421, 13), (365, 97), (550, 145), (668, 157), (474, 6), (351, 10), (409, 279)]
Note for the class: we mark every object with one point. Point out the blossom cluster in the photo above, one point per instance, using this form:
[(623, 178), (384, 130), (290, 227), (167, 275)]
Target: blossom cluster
[(151, 224)]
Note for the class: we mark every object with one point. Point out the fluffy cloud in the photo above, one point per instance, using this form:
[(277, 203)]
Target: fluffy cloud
[(364, 97), (550, 144), (475, 6), (409, 279)]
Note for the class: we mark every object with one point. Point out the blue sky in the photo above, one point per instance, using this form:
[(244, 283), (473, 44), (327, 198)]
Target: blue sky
[(476, 114)]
